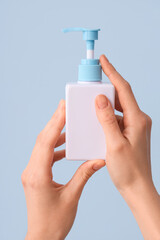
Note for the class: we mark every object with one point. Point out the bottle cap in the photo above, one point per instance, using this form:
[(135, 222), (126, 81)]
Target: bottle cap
[(89, 70)]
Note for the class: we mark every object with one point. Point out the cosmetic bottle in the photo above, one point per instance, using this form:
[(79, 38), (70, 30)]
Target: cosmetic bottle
[(85, 138)]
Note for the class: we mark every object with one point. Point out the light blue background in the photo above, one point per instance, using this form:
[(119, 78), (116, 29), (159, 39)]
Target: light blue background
[(36, 61)]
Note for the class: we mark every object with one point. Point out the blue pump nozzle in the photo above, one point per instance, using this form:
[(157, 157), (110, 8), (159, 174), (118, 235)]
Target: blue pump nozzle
[(89, 35), (90, 69)]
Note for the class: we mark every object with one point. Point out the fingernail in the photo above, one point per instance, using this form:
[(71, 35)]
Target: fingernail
[(102, 102), (97, 166), (104, 56)]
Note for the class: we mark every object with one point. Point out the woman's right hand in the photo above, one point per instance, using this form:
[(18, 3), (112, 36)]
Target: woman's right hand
[(128, 152)]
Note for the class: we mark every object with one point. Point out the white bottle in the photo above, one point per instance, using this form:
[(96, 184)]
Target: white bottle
[(85, 138)]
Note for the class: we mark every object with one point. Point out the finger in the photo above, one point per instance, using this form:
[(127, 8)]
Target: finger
[(118, 106), (107, 119), (58, 155), (126, 97), (61, 140), (148, 132), (43, 152), (80, 178), (120, 122), (52, 131), (119, 118)]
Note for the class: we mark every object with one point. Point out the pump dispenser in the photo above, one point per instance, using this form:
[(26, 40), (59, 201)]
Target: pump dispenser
[(89, 69), (85, 139)]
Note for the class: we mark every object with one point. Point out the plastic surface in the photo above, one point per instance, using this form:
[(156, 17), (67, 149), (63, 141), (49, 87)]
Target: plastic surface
[(89, 71), (90, 54), (88, 34), (85, 139)]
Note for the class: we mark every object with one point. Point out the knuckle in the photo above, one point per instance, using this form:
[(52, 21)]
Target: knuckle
[(109, 119), (149, 121), (127, 85), (118, 146), (42, 139), (24, 178), (34, 181), (86, 175), (143, 122), (112, 73), (58, 121)]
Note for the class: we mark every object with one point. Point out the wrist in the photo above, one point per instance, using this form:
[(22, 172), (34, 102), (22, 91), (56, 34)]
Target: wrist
[(144, 202), (138, 190)]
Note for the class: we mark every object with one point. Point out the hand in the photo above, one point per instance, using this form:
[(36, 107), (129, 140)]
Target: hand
[(128, 152), (51, 207), (127, 137)]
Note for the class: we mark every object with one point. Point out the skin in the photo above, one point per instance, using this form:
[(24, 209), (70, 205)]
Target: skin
[(128, 152), (52, 207)]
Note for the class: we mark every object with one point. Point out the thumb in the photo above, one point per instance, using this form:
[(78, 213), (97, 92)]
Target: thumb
[(107, 119), (80, 178)]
